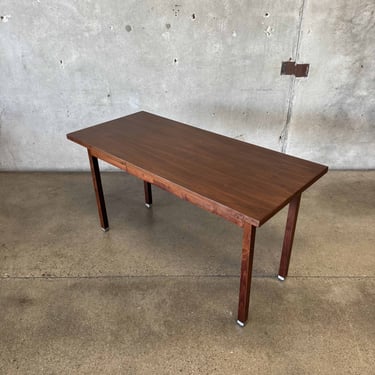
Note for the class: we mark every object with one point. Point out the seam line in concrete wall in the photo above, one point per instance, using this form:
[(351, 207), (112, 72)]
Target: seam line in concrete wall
[(291, 95)]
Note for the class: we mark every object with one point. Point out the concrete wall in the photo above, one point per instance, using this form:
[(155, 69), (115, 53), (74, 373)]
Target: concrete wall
[(69, 64)]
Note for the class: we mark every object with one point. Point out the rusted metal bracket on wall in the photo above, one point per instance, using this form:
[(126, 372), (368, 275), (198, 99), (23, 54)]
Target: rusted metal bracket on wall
[(290, 68)]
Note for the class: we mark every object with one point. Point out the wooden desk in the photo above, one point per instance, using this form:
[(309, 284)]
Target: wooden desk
[(241, 182)]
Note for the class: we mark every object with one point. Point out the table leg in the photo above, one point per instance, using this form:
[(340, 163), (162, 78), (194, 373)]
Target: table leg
[(289, 236), (248, 241), (94, 165), (148, 194)]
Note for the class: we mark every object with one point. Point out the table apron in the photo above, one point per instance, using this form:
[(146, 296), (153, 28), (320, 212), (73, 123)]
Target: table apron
[(179, 191)]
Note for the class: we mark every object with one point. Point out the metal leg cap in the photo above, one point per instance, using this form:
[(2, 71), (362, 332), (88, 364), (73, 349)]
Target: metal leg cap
[(281, 278), (148, 205), (241, 324), (105, 229)]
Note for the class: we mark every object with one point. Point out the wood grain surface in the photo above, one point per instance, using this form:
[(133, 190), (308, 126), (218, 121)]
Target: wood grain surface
[(240, 181)]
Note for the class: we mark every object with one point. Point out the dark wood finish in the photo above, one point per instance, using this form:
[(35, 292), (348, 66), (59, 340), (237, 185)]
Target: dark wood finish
[(94, 165), (248, 242), (237, 180), (173, 188), (244, 183), (148, 193), (289, 236)]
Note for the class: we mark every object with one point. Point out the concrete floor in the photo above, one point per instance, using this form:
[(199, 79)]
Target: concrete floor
[(157, 294)]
